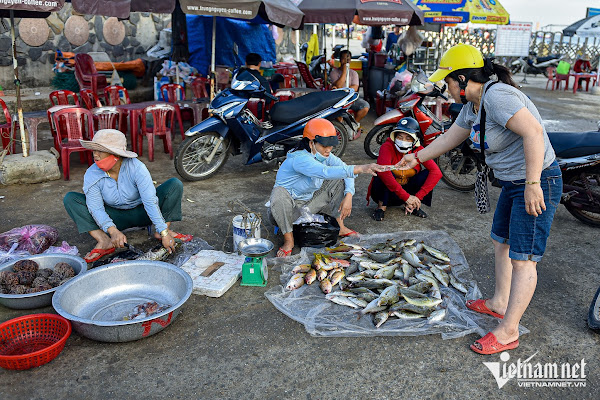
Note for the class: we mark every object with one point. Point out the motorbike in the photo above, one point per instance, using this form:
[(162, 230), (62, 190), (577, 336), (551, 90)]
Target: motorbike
[(233, 128), (458, 169), (537, 67)]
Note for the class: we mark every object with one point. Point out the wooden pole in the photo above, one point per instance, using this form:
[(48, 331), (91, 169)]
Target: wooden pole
[(24, 138)]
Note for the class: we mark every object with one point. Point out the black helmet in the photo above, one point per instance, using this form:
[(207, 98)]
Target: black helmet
[(408, 125)]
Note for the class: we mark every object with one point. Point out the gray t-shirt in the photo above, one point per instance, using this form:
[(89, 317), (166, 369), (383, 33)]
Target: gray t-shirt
[(503, 148)]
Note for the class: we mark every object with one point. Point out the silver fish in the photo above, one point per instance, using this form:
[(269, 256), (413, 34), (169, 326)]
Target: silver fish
[(407, 271), (386, 272), (368, 273), (412, 281), (407, 315), (371, 265), (426, 272), (422, 301), (372, 307), (421, 287), (441, 276), (362, 303), (437, 315), (435, 290), (389, 296), (303, 268), (436, 253), (380, 318), (336, 277), (321, 274), (326, 286), (373, 283), (398, 274), (403, 305), (368, 297), (341, 300), (454, 282), (355, 278)]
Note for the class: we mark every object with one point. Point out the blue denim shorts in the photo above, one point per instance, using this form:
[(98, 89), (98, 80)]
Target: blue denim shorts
[(525, 234)]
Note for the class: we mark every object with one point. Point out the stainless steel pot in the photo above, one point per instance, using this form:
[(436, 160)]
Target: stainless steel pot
[(97, 302)]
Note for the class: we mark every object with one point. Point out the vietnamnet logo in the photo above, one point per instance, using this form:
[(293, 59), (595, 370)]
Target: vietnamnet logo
[(528, 374)]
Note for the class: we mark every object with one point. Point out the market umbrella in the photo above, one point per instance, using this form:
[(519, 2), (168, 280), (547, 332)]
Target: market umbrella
[(278, 12), (370, 12), (587, 27), (42, 9), (463, 11)]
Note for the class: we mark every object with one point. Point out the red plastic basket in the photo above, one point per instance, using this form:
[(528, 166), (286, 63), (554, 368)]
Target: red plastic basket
[(32, 340)]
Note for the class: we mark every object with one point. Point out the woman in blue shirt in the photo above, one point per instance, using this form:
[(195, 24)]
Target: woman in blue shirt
[(314, 178), (119, 194)]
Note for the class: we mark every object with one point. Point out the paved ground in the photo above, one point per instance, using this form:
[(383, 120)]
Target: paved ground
[(240, 346)]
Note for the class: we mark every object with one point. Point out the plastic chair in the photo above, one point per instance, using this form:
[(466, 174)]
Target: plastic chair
[(257, 107), (199, 87), (89, 99), (114, 94), (78, 124), (287, 81), (172, 92), (314, 83), (86, 74), (163, 119), (6, 129), (63, 98), (106, 117), (563, 78)]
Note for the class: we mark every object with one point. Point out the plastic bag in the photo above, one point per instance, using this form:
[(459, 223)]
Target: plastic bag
[(321, 317), (400, 81), (410, 40), (307, 217), (34, 239), (317, 234)]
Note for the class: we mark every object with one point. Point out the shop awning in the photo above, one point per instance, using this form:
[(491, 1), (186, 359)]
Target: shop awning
[(463, 11)]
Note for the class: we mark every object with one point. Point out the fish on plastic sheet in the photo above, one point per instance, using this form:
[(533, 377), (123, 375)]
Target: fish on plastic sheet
[(295, 282)]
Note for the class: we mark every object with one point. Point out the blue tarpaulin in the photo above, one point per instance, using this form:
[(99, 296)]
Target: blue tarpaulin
[(249, 37)]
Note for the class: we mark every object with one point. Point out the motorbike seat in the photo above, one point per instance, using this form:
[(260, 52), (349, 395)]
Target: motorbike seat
[(575, 144), (544, 59), (289, 112)]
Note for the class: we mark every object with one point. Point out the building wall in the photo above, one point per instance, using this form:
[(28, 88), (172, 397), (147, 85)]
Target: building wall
[(35, 63)]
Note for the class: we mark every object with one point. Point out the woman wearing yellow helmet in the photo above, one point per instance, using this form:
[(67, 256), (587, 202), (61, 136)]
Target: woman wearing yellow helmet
[(517, 149), (314, 178)]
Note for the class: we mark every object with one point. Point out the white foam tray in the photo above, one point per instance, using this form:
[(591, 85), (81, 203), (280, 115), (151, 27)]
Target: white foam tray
[(221, 280)]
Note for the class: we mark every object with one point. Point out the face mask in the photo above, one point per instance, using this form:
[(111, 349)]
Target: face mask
[(107, 163), (402, 146), (320, 157)]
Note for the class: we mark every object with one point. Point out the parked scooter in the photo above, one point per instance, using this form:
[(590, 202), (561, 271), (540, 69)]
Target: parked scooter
[(233, 128), (458, 169), (530, 67)]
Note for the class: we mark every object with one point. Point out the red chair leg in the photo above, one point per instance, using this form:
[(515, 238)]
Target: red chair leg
[(65, 164), (151, 147)]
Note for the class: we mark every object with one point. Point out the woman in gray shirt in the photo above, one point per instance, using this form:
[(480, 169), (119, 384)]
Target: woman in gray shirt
[(518, 150)]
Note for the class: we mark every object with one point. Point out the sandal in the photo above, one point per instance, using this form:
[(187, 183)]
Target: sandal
[(480, 307), (98, 254), (419, 213), (351, 233), (490, 345), (378, 214), (286, 253), (182, 237)]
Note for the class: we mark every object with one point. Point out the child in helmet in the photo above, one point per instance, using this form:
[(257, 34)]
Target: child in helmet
[(312, 177), (411, 187)]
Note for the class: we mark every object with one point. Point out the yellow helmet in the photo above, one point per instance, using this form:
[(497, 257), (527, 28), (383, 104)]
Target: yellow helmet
[(455, 58)]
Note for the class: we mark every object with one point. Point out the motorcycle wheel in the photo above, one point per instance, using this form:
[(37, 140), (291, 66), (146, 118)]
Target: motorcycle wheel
[(190, 159), (593, 178), (594, 313), (458, 170), (342, 135), (375, 139)]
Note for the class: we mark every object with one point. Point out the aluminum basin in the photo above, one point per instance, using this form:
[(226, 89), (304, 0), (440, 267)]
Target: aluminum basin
[(40, 299), (97, 302)]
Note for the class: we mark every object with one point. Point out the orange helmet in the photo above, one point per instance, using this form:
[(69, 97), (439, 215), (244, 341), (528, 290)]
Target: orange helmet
[(321, 131)]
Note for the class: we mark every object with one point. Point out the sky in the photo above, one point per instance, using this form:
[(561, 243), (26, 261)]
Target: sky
[(546, 12)]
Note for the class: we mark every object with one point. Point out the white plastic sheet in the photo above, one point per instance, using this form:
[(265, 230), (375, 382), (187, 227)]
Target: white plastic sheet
[(321, 317)]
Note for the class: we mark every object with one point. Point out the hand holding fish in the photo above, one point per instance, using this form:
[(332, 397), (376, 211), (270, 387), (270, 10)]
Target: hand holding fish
[(168, 243)]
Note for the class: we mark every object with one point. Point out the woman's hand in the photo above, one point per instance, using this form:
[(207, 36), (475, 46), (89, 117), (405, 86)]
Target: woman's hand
[(345, 206), (413, 202), (534, 199), (372, 169), (117, 237), (408, 161), (168, 243)]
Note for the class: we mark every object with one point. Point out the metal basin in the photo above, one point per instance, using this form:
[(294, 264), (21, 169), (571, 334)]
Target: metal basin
[(97, 302), (255, 247), (40, 299)]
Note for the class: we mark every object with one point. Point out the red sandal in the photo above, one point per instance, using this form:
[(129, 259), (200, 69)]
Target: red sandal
[(285, 252), (480, 307), (490, 345), (98, 254), (351, 233)]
